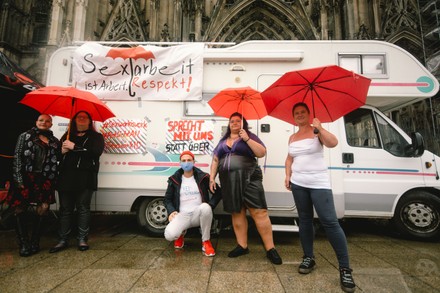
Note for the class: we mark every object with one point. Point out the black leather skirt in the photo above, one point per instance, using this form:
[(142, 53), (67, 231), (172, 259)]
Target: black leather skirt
[(241, 181)]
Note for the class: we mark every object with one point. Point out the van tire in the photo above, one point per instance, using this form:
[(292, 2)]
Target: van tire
[(152, 216), (417, 215)]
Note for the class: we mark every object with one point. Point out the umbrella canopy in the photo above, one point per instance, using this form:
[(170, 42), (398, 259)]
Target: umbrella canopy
[(330, 92), (66, 101), (244, 100)]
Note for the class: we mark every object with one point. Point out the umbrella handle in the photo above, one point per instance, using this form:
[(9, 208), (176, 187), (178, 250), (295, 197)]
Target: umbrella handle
[(70, 120), (68, 130), (315, 130)]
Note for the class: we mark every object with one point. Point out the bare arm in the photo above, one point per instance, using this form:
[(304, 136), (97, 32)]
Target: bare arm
[(258, 149), (288, 167), (327, 138), (213, 173)]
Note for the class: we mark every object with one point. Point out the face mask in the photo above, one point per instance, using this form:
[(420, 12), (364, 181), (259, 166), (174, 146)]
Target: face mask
[(187, 166)]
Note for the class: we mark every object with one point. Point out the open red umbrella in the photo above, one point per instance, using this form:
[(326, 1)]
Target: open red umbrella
[(67, 101), (244, 100), (330, 92)]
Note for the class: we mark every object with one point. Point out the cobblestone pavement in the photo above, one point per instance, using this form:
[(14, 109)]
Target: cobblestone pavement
[(123, 259)]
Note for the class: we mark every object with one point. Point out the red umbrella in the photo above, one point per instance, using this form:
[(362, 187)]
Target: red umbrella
[(330, 92), (66, 101), (244, 100)]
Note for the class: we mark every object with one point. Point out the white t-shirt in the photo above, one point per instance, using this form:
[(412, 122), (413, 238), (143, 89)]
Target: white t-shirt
[(308, 167), (190, 197)]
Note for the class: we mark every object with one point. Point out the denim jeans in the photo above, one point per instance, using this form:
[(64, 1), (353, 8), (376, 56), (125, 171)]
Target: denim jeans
[(69, 200), (322, 201)]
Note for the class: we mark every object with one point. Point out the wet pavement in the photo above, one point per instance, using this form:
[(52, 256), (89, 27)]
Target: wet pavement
[(123, 259)]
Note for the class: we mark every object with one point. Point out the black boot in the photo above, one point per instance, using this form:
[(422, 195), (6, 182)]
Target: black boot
[(36, 233), (22, 236)]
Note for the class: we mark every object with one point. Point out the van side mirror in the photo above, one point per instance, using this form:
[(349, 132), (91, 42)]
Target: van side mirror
[(417, 147)]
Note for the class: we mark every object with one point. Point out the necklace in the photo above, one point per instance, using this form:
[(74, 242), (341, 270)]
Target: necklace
[(82, 131)]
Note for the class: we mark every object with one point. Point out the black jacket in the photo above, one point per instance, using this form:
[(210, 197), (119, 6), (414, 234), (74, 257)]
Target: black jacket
[(79, 168), (172, 195)]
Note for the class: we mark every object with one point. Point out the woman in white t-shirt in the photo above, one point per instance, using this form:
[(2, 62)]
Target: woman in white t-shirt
[(189, 203), (307, 177)]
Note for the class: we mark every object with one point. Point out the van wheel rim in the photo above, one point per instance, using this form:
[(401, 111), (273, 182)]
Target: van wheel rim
[(156, 214), (419, 215)]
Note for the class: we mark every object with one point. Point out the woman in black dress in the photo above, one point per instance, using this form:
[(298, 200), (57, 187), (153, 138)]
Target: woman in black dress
[(241, 181)]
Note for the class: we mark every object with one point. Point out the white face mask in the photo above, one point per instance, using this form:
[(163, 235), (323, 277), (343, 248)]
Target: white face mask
[(187, 166)]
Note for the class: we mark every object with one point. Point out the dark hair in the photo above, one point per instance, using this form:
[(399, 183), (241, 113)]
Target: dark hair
[(73, 126), (245, 125), (300, 104)]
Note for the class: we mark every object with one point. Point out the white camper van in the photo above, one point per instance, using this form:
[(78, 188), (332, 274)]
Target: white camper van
[(377, 170)]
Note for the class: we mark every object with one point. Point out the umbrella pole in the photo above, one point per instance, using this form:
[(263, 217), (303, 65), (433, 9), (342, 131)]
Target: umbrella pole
[(242, 110), (315, 130), (70, 120), (242, 115)]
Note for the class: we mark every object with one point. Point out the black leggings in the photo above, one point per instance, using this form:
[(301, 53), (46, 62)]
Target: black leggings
[(69, 200)]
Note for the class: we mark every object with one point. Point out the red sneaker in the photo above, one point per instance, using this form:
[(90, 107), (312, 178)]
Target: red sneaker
[(179, 242), (207, 248)]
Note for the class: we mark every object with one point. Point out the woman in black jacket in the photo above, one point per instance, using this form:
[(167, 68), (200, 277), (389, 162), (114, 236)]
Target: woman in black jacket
[(35, 171), (78, 178)]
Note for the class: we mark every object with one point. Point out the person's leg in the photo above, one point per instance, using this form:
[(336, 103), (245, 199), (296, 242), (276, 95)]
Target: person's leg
[(325, 208), (202, 216), (177, 226), (67, 206), (240, 225), (21, 231), (83, 201), (37, 226), (264, 226), (304, 207)]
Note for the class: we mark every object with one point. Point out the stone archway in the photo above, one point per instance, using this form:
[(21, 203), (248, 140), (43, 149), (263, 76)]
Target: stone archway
[(260, 19)]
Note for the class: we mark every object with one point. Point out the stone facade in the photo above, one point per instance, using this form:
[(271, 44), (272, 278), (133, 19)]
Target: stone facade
[(30, 30)]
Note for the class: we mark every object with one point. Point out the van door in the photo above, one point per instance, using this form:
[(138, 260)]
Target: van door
[(376, 168), (275, 135)]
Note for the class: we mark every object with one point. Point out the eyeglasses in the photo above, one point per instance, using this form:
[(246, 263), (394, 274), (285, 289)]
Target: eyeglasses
[(82, 117)]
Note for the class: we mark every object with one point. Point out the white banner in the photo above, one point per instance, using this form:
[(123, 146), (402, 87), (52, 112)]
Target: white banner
[(125, 136), (144, 72)]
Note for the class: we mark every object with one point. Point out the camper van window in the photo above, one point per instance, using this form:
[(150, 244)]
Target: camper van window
[(370, 65), (393, 142), (360, 129), (199, 108)]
